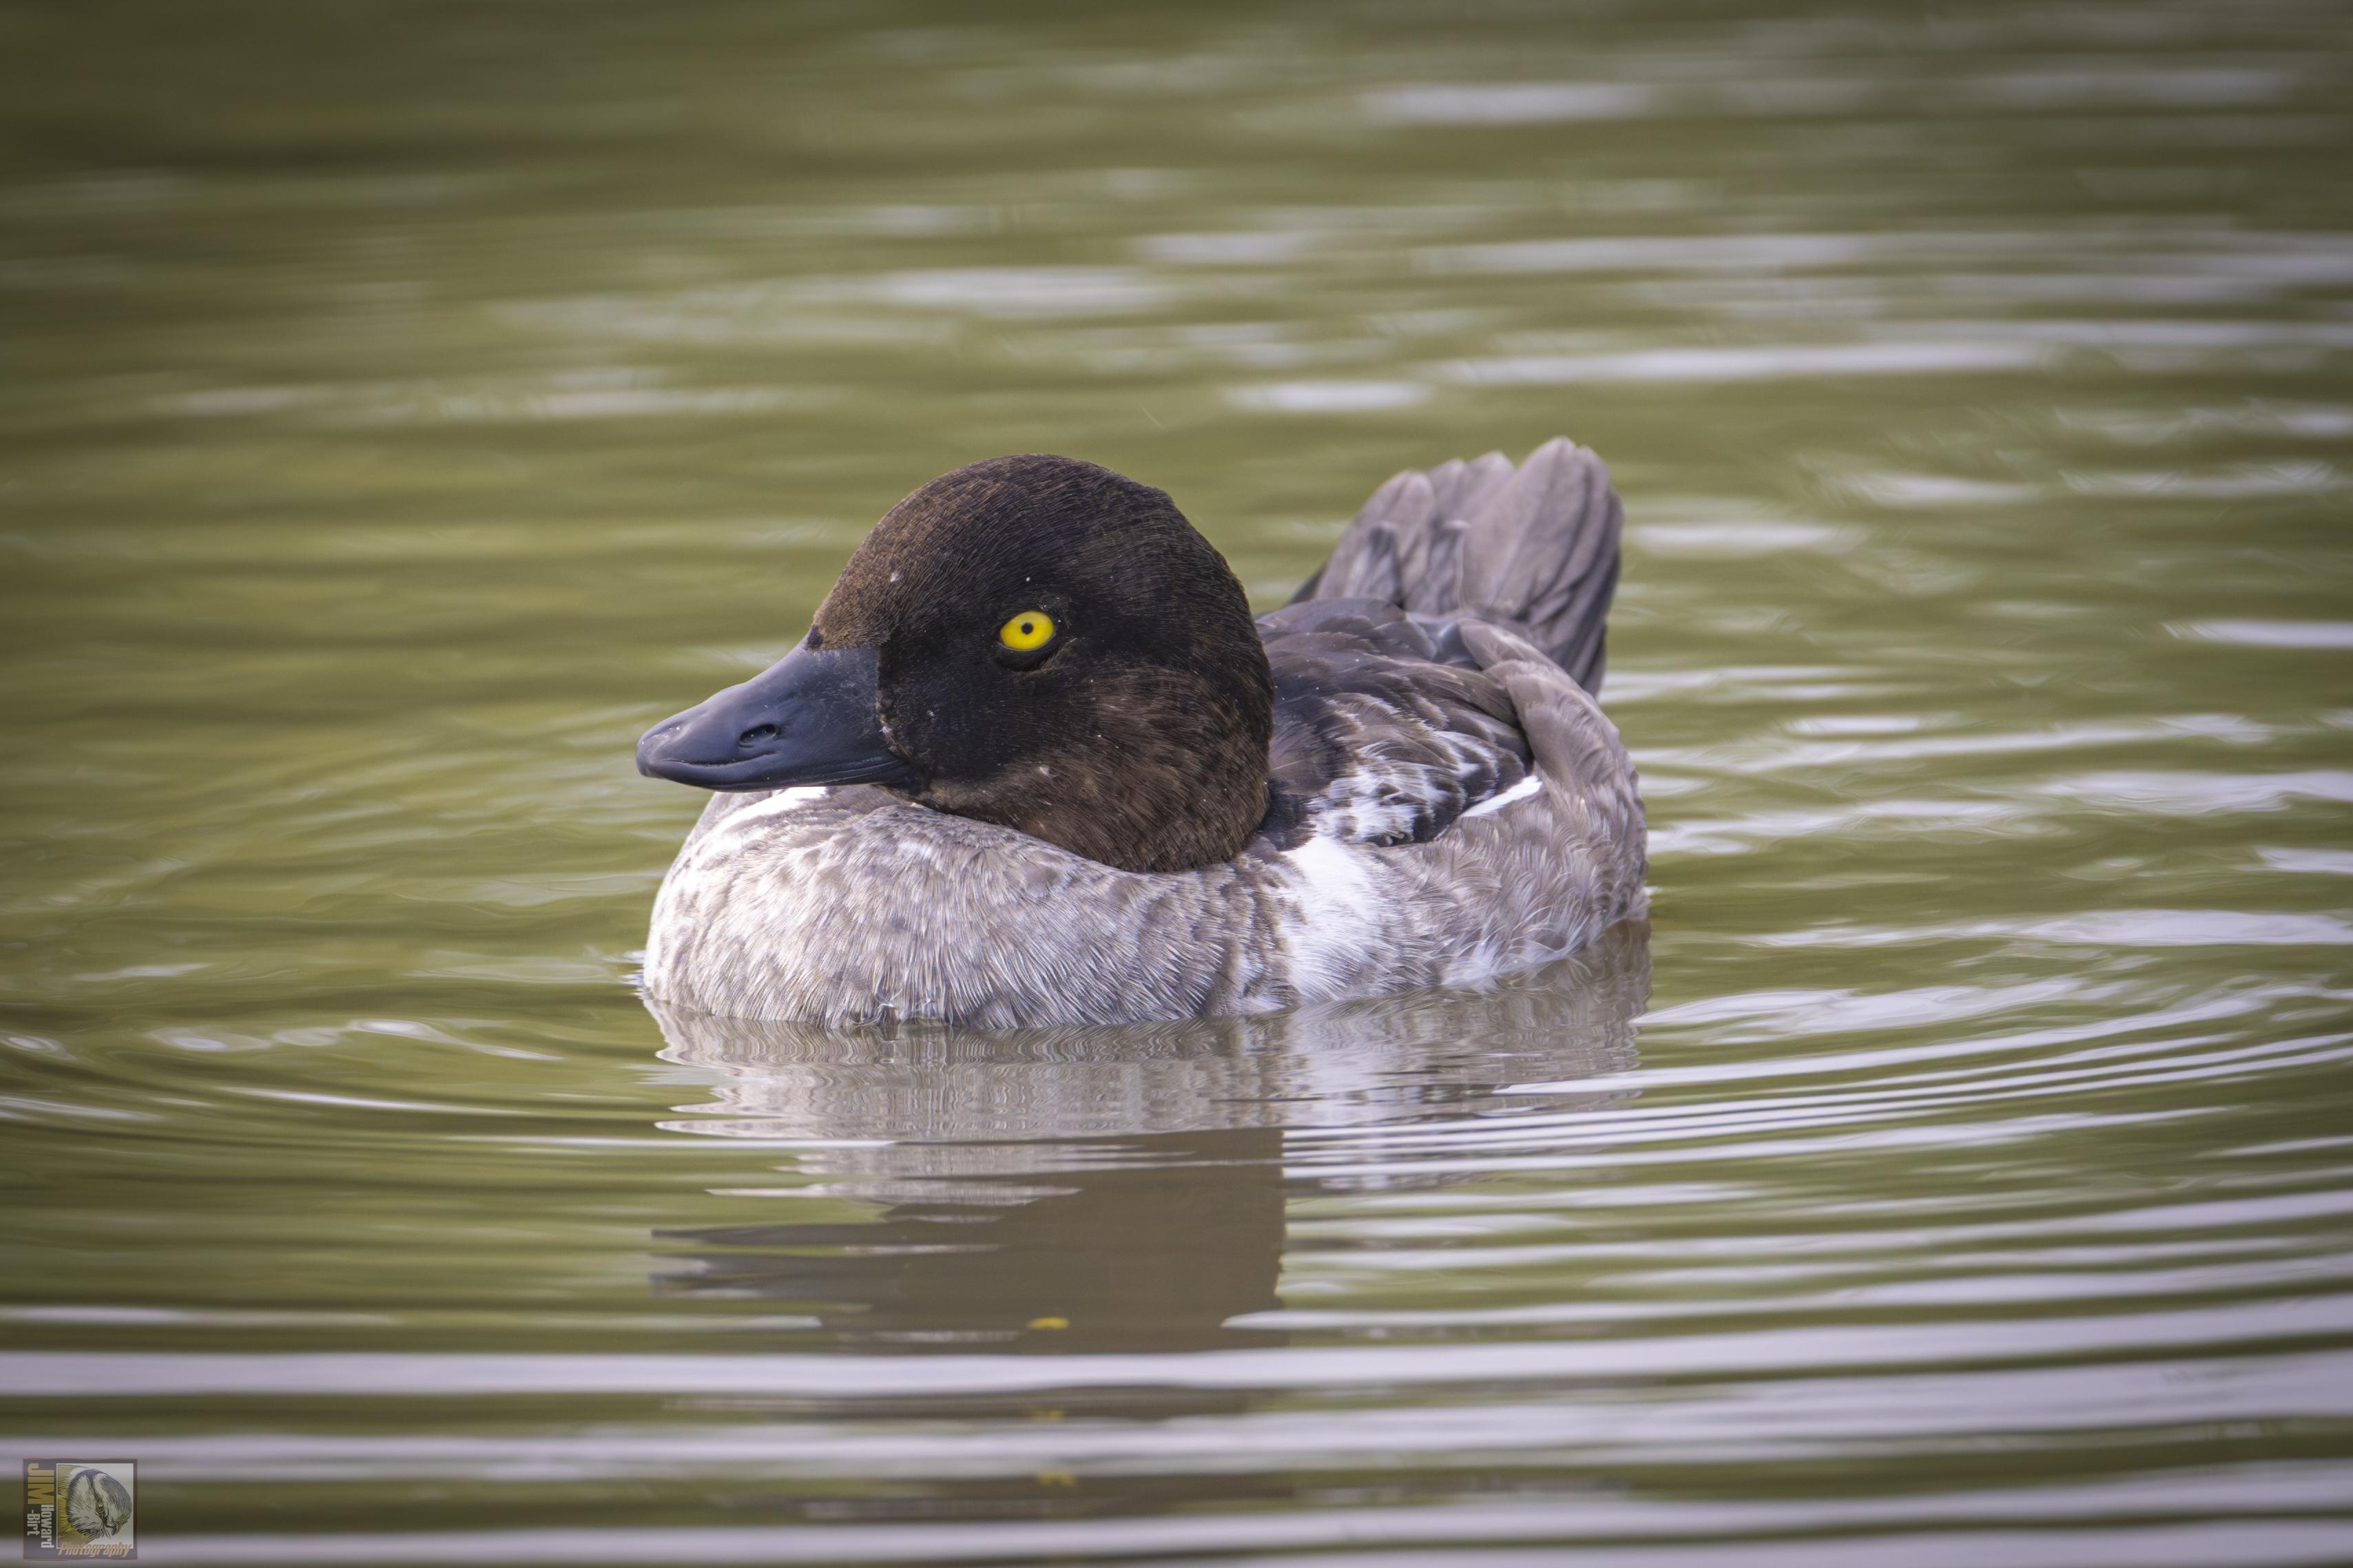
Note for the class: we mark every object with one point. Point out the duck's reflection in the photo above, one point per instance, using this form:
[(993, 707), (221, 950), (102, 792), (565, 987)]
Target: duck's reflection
[(1153, 1250), (1110, 1188)]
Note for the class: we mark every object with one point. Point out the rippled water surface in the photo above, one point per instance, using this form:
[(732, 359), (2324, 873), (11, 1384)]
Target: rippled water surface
[(400, 406)]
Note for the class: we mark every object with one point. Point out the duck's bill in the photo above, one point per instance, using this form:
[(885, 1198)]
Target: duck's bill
[(808, 719)]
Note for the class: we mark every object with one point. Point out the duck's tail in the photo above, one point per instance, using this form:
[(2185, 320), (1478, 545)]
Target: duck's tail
[(1535, 546)]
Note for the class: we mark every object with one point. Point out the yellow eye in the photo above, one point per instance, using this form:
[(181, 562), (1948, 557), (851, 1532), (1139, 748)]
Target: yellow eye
[(1029, 629)]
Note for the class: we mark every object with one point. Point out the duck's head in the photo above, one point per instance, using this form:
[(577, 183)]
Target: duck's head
[(1032, 641)]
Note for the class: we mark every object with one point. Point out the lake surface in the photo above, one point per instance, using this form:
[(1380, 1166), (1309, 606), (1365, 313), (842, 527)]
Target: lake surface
[(401, 406)]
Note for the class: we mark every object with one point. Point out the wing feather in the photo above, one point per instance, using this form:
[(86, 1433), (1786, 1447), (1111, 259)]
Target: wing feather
[(1386, 731)]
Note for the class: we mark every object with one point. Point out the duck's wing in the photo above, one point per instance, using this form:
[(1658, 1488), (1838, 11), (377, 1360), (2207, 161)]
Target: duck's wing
[(1535, 548), (1387, 730)]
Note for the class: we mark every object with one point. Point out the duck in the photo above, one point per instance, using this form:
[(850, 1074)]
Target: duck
[(1036, 762)]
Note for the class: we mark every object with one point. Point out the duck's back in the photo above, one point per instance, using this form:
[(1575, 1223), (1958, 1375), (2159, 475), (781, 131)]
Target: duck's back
[(1447, 803), (1388, 726)]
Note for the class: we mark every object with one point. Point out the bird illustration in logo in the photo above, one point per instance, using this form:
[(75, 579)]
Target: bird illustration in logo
[(97, 1505)]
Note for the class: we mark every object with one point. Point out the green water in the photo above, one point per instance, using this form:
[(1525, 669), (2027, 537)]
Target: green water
[(402, 406)]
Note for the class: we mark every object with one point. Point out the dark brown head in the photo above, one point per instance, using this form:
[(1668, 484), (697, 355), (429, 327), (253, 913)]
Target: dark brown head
[(1032, 641)]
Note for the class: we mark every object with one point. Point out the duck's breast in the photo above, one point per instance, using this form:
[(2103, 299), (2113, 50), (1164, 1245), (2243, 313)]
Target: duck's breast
[(849, 905)]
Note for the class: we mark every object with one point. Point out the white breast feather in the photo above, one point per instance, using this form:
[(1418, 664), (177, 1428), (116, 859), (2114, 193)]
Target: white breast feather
[(1335, 923)]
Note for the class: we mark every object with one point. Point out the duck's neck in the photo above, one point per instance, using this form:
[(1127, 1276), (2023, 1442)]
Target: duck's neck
[(1172, 776)]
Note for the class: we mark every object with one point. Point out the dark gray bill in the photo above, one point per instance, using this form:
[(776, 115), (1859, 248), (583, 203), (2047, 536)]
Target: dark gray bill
[(808, 719)]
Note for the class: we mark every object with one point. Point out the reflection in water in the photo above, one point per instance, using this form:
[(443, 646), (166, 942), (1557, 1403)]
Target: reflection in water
[(1154, 1256), (1102, 1188)]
